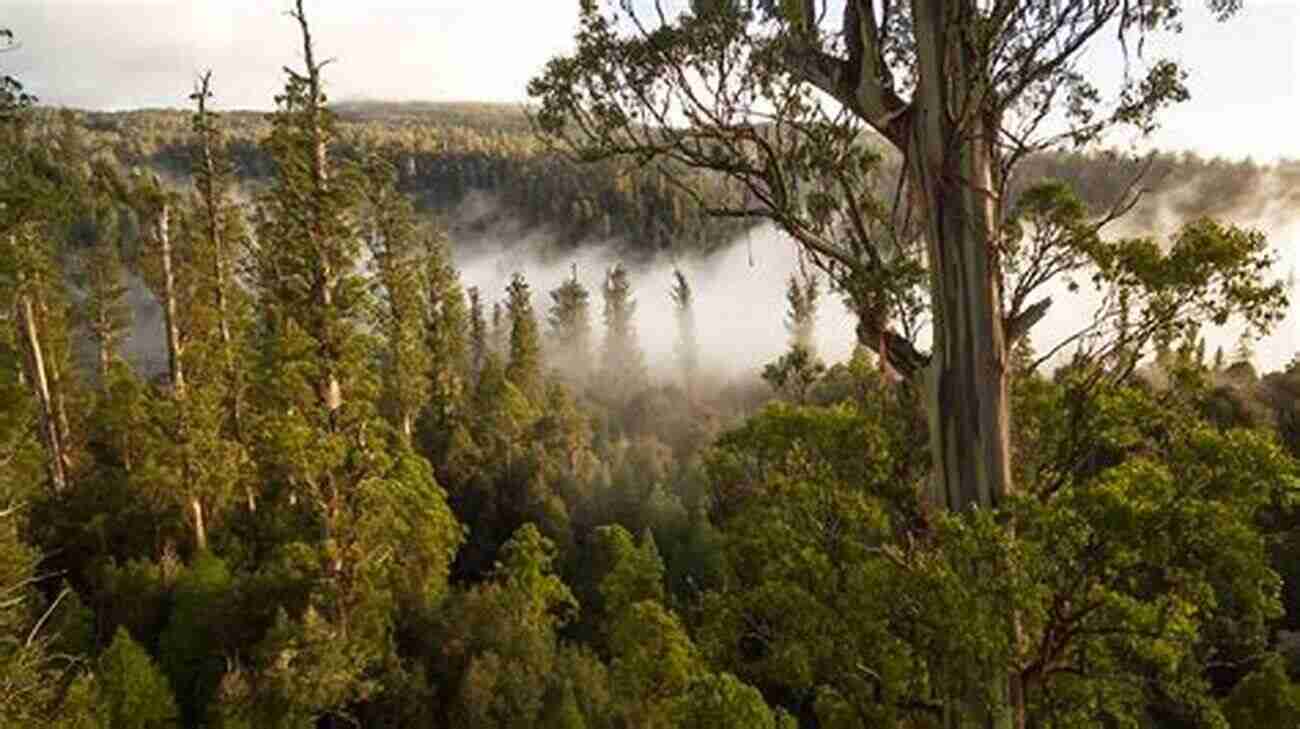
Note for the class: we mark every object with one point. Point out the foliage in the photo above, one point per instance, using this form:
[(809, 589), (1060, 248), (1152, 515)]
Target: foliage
[(132, 693)]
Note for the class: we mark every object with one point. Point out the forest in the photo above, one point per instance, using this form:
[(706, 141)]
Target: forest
[(337, 486)]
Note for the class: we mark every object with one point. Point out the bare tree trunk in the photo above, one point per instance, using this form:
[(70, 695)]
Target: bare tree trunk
[(949, 152), (41, 389), (54, 377), (200, 528), (174, 365)]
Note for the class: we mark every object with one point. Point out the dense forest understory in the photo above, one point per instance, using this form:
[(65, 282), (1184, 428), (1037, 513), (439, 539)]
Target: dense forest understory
[(361, 494)]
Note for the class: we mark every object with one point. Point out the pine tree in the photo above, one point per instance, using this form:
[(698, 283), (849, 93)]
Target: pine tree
[(524, 367), (570, 322), (688, 349), (622, 363), (133, 693)]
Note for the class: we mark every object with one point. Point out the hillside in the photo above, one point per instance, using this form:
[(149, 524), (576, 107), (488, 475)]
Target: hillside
[(480, 168)]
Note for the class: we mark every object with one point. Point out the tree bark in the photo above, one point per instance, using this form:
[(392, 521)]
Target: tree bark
[(949, 149)]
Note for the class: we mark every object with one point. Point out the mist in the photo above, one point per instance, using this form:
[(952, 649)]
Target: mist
[(739, 296), (740, 304), (740, 308)]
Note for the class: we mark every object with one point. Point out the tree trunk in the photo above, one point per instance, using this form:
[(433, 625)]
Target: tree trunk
[(200, 527), (41, 389), (950, 158), (408, 425), (174, 366)]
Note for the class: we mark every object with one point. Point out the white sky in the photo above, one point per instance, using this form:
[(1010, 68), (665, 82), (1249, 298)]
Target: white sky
[(123, 54)]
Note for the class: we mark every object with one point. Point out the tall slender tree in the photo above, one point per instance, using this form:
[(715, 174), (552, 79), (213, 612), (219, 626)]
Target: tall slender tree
[(802, 295), (106, 312)]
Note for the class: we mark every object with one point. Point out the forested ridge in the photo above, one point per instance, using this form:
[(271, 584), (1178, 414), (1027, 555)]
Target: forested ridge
[(443, 152), (362, 493)]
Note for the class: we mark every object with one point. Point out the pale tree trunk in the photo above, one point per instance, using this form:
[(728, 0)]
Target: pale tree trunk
[(38, 377), (949, 149), (945, 135), (174, 352), (55, 377), (200, 528)]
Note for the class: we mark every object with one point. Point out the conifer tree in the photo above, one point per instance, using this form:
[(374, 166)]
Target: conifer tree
[(570, 322), (524, 367), (795, 372), (499, 337), (622, 363)]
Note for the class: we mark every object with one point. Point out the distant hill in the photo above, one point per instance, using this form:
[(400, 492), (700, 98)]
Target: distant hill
[(483, 171)]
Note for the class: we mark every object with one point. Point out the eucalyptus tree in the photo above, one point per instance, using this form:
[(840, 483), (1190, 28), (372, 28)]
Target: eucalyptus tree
[(36, 177), (796, 105)]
